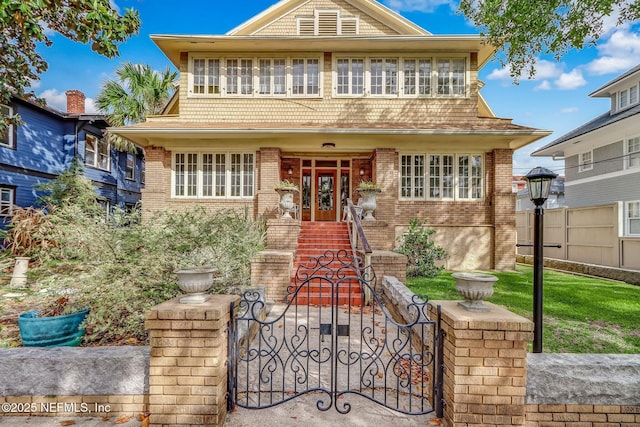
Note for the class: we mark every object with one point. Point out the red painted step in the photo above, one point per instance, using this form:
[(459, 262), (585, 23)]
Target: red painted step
[(315, 239)]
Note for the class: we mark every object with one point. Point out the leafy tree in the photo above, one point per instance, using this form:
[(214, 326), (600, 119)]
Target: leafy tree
[(138, 92), (25, 23), (525, 29)]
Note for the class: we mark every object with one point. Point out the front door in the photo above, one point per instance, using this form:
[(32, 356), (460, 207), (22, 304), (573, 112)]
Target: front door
[(325, 197)]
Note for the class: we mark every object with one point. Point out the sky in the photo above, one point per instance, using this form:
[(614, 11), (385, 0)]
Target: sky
[(556, 100)]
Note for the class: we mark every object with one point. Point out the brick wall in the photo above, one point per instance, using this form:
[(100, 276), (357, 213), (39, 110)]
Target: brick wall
[(273, 269), (561, 415), (187, 369)]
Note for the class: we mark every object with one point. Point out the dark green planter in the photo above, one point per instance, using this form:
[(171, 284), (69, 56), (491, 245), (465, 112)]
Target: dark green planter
[(56, 331)]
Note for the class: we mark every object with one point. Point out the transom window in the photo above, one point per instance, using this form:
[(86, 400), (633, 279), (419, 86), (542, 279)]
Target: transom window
[(256, 77), (6, 136), (400, 77), (441, 176), (585, 161), (633, 218), (7, 197), (97, 152), (203, 175), (633, 152)]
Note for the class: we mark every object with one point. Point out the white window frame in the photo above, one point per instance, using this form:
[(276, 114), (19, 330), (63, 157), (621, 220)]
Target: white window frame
[(628, 97), (7, 139), (629, 211), (7, 201), (130, 172), (352, 78), (305, 76), (195, 178), (216, 84), (632, 152), (583, 163), (432, 92), (448, 170), (97, 156)]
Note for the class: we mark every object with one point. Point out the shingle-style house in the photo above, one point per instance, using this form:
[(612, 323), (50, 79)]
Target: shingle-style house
[(602, 157), (45, 144), (328, 93)]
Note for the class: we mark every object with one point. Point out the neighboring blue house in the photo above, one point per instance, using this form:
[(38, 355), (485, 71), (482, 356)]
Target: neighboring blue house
[(46, 143)]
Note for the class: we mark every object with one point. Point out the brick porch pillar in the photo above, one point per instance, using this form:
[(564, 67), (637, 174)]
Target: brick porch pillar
[(485, 365), (269, 176), (187, 368), (504, 211)]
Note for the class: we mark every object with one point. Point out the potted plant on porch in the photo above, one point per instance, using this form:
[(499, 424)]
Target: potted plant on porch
[(286, 190), (369, 192)]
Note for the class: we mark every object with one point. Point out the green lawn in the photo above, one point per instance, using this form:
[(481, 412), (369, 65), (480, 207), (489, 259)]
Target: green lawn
[(581, 314)]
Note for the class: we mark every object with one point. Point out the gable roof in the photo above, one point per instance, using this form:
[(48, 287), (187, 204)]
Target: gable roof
[(605, 91), (371, 8)]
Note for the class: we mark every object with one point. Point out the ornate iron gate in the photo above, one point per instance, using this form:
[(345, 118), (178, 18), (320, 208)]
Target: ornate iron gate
[(334, 349)]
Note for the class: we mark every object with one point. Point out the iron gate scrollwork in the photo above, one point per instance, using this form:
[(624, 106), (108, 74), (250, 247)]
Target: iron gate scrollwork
[(333, 348)]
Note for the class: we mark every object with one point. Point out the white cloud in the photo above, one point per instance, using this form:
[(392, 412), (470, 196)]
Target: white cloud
[(569, 110), (415, 5), (544, 70), (619, 53), (90, 107), (571, 80), (34, 84), (55, 99), (544, 85), (499, 74)]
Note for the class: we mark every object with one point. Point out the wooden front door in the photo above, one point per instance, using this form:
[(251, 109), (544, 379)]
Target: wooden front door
[(325, 195)]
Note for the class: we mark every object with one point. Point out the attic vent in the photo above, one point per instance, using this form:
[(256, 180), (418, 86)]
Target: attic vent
[(327, 23)]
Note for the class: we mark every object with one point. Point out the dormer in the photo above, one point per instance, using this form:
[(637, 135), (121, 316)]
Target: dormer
[(623, 91)]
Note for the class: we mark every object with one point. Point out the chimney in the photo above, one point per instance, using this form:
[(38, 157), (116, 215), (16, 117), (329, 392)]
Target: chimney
[(75, 102)]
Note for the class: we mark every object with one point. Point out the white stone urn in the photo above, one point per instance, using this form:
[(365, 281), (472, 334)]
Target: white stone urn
[(286, 201), (474, 288), (369, 203), (195, 282)]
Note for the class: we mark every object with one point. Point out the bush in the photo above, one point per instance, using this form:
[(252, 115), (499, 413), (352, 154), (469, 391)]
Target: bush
[(421, 252)]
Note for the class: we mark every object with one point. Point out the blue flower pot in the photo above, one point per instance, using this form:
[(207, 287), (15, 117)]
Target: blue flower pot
[(55, 331)]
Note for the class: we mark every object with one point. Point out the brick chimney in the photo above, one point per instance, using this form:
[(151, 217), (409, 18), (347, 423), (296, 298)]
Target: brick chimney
[(75, 102)]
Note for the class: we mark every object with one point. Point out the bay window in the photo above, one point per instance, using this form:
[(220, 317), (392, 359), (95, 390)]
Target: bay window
[(203, 175)]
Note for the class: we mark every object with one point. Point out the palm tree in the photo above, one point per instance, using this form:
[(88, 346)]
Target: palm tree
[(138, 92)]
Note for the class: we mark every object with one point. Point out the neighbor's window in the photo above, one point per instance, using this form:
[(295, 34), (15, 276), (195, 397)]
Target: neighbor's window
[(447, 176), (213, 175), (585, 161), (7, 196), (96, 152), (6, 137), (130, 172), (633, 152), (633, 218)]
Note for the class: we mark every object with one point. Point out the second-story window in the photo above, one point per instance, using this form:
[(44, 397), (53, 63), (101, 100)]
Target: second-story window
[(417, 76), (6, 136), (273, 76), (306, 76), (384, 76), (96, 152), (350, 76), (7, 195), (633, 152), (585, 161), (130, 172), (451, 76)]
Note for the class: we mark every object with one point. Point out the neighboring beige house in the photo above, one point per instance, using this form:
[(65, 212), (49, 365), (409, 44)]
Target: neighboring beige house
[(327, 93)]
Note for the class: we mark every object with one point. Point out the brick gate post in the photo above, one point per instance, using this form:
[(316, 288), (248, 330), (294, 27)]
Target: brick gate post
[(485, 365), (187, 368)]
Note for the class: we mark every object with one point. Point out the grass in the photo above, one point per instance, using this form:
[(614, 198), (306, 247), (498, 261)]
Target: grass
[(581, 314)]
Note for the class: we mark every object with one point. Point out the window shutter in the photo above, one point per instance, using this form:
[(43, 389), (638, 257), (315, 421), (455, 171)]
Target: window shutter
[(306, 26), (327, 23), (349, 26)]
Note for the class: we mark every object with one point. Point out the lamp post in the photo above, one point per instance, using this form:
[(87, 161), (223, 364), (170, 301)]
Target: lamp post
[(538, 183)]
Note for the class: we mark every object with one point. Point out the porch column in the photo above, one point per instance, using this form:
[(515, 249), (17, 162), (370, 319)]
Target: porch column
[(504, 211), (269, 176), (157, 188)]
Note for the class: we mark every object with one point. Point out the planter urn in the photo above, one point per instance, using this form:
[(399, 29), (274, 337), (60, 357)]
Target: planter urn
[(195, 282), (369, 202), (474, 288), (286, 201)]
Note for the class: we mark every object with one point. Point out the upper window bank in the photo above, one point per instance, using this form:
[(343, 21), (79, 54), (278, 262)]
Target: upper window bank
[(351, 76)]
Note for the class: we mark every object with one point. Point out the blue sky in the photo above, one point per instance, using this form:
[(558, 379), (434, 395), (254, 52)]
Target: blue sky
[(557, 99)]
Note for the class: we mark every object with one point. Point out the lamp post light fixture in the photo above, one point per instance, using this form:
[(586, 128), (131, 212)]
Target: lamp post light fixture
[(538, 183)]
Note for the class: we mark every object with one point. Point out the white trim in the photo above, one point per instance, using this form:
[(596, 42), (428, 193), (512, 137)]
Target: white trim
[(627, 219), (601, 177), (7, 205), (96, 154), (10, 128), (627, 154)]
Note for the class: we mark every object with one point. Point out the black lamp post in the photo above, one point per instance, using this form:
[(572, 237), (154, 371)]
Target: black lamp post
[(538, 182)]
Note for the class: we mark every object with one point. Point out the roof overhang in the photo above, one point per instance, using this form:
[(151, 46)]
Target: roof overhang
[(173, 45), (350, 139)]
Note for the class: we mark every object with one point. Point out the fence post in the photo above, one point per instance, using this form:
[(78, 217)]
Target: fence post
[(485, 355), (187, 367)]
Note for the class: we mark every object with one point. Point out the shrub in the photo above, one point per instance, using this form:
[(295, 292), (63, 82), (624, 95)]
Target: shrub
[(421, 252)]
